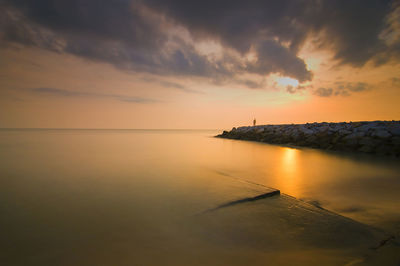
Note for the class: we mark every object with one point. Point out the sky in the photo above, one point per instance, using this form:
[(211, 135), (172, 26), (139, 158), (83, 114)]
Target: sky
[(182, 64)]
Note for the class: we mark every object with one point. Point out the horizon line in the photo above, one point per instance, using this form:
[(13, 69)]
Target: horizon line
[(71, 128)]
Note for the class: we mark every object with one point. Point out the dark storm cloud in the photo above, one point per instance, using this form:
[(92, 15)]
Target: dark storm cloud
[(351, 27), (74, 94), (117, 20), (133, 34), (124, 33), (236, 23), (275, 58)]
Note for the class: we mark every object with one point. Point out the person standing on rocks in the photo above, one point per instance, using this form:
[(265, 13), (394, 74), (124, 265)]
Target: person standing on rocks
[(254, 122)]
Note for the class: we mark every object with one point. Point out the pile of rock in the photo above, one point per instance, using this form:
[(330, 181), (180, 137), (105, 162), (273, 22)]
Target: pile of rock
[(380, 137)]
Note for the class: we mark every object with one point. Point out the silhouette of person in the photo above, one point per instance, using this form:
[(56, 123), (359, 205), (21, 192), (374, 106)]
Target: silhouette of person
[(254, 122)]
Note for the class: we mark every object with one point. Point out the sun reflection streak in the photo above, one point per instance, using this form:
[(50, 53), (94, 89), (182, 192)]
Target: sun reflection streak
[(289, 162), (289, 171)]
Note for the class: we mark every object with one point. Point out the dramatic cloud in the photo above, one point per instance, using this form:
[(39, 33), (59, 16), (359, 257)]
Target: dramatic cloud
[(275, 58), (352, 28), (324, 92), (291, 89), (161, 36), (342, 89), (123, 33), (295, 89), (346, 88), (250, 83), (67, 93)]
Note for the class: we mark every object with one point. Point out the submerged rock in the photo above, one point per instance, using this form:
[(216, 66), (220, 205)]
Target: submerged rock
[(380, 137)]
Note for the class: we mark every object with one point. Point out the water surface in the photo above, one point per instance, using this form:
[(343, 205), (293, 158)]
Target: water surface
[(72, 196)]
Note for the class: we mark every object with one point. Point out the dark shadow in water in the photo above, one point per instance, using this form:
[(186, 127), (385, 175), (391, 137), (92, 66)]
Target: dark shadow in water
[(262, 196)]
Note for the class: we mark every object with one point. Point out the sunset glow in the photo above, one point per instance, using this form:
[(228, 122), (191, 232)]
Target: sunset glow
[(167, 70), (178, 132)]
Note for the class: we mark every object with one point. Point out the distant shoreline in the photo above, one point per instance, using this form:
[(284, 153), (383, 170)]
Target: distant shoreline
[(374, 137)]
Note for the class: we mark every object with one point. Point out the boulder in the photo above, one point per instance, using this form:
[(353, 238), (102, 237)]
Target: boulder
[(381, 133), (344, 132), (355, 135), (259, 130), (366, 127), (395, 130), (306, 131)]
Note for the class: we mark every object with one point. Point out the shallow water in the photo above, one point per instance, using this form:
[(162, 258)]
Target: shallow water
[(68, 196)]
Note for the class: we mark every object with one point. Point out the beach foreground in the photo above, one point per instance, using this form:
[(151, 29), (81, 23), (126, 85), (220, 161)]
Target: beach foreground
[(248, 223)]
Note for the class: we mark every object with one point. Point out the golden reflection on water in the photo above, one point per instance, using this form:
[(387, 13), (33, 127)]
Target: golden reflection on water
[(289, 171), (289, 161)]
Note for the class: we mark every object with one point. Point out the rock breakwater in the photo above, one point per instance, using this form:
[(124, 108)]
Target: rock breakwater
[(377, 137)]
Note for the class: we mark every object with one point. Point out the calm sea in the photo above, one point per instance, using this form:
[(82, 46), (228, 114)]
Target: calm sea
[(70, 197)]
